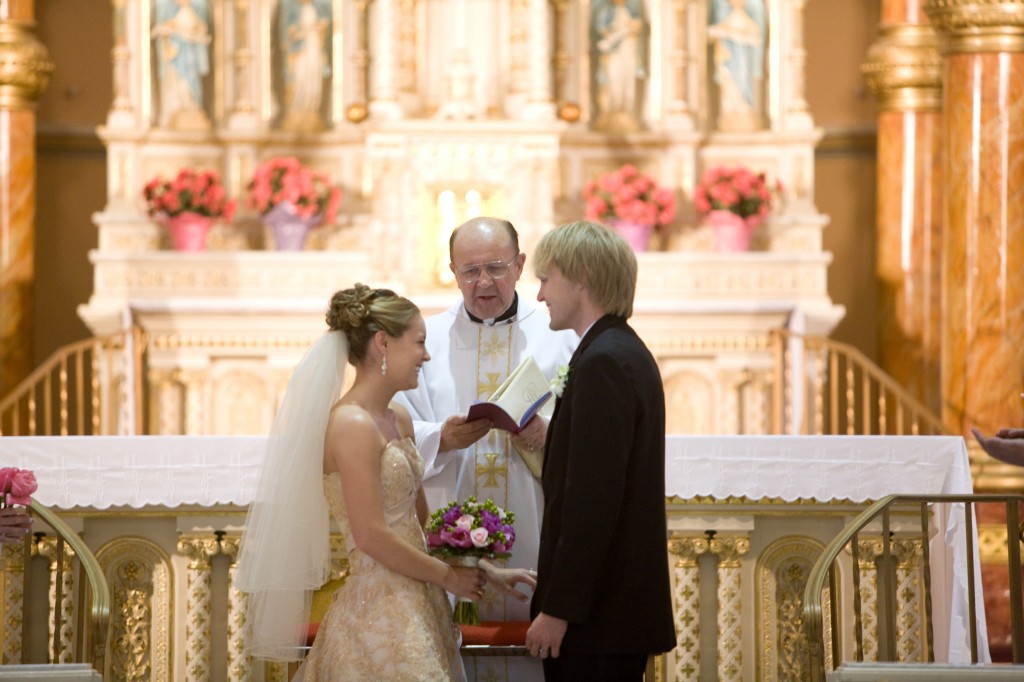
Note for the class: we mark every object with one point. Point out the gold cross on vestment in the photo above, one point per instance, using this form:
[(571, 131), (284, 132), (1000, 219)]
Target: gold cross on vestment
[(492, 469), (484, 389), (492, 348)]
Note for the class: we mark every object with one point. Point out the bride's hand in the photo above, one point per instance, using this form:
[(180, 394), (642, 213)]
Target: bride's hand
[(465, 582), (504, 580)]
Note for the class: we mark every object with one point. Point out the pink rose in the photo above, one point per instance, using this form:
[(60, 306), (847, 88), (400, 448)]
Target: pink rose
[(464, 522), (479, 537), (456, 537), (23, 484)]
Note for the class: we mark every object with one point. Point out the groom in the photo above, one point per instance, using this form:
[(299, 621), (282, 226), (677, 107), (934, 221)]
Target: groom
[(603, 602)]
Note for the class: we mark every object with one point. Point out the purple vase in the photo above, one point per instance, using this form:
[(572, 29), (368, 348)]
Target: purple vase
[(288, 227)]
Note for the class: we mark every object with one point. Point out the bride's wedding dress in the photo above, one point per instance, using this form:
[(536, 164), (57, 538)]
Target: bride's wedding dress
[(383, 625)]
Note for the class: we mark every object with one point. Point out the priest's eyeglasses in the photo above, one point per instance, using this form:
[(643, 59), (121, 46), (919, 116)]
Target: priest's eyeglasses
[(496, 269)]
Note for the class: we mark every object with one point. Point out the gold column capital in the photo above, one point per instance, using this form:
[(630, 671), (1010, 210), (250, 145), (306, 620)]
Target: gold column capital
[(199, 549), (978, 25), (904, 68), (25, 65), (729, 549), (687, 548)]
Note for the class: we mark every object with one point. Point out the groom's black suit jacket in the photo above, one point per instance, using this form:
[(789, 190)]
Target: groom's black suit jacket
[(603, 563)]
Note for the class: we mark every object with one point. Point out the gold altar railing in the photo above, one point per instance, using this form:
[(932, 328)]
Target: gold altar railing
[(70, 614), (880, 621), (90, 387), (824, 387)]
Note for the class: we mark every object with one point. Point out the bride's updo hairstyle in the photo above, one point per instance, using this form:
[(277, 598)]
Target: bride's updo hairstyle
[(361, 312)]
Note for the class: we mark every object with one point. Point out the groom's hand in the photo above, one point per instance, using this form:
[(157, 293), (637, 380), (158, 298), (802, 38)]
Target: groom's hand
[(544, 638)]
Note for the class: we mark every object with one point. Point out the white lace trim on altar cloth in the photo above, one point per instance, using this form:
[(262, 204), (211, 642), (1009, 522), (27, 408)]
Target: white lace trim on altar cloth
[(105, 471)]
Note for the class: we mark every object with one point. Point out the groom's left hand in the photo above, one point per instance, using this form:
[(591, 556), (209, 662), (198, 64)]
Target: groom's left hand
[(544, 638)]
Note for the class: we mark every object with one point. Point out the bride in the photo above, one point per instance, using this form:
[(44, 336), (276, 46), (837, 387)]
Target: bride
[(391, 619)]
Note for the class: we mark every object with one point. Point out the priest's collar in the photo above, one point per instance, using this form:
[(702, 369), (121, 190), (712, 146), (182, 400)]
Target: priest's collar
[(504, 317)]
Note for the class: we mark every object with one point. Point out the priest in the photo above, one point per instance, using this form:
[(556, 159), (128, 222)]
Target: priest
[(473, 347)]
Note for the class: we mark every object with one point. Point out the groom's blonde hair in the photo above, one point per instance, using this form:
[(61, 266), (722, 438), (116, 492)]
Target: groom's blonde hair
[(592, 255)]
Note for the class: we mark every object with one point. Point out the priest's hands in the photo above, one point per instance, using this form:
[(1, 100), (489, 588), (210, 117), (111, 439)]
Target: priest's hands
[(544, 638), (457, 433), (504, 580), (1007, 445), (532, 435)]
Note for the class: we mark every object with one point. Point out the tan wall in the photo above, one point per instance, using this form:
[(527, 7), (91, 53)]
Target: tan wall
[(72, 162)]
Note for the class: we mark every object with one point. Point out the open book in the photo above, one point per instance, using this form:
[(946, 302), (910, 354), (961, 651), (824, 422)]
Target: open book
[(517, 399)]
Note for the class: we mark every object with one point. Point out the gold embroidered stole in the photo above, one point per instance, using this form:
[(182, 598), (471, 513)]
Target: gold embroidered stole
[(494, 362)]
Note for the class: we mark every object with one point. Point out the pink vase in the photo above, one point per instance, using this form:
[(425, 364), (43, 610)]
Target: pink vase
[(637, 235), (732, 231), (288, 227), (188, 231)]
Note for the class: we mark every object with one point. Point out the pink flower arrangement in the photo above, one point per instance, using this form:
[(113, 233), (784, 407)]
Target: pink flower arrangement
[(628, 195), (285, 179), (191, 190), (471, 528), (16, 486), (736, 190)]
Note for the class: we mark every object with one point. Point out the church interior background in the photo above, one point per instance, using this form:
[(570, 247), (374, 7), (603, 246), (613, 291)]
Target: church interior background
[(428, 112)]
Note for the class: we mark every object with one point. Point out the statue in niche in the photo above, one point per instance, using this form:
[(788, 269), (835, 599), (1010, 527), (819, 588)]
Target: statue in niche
[(737, 31), (181, 33), (305, 25), (618, 31)]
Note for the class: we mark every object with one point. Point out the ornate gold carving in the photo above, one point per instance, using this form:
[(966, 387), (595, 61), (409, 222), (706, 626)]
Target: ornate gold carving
[(137, 571), (992, 546), (781, 577), (978, 25), (13, 557), (25, 65), (904, 68), (687, 548)]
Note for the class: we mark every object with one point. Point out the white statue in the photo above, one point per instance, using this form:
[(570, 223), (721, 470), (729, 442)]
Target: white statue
[(181, 32), (305, 25), (737, 31), (618, 32)]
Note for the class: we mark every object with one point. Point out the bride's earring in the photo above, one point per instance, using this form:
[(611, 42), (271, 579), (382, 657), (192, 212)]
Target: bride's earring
[(384, 366)]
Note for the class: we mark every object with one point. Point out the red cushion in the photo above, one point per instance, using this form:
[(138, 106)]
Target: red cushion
[(311, 631), (496, 633)]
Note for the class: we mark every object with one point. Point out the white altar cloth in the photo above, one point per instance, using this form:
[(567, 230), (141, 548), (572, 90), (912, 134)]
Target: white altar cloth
[(168, 471)]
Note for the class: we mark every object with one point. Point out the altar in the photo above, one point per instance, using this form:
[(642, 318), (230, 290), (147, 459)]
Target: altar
[(745, 514)]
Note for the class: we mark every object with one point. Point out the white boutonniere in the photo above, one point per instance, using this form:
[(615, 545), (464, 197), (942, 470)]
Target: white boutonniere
[(558, 383)]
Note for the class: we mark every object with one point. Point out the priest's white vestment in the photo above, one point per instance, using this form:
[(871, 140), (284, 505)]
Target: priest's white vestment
[(468, 361)]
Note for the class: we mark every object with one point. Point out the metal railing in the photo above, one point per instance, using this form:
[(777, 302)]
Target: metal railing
[(91, 387), (824, 387), (826, 645), (79, 629)]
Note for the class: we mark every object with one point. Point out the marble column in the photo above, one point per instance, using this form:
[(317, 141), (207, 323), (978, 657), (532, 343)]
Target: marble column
[(539, 104), (982, 358), (384, 62), (729, 549), (904, 70), (199, 549), (686, 604), (25, 70)]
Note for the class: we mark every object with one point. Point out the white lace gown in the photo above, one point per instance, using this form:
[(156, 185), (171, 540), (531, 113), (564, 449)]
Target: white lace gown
[(383, 625)]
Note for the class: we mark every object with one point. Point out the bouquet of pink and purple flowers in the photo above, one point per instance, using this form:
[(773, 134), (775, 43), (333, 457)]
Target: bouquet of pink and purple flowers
[(462, 533), (471, 529)]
